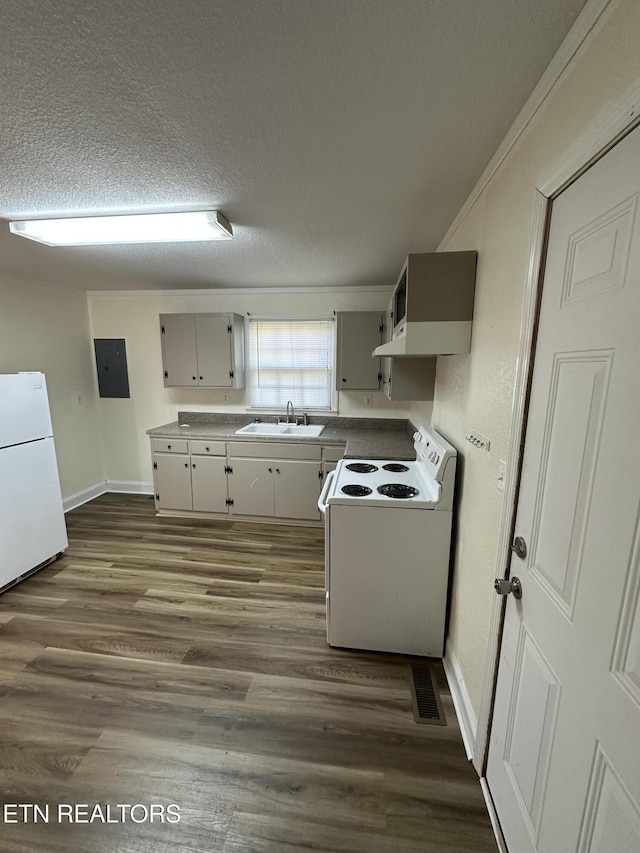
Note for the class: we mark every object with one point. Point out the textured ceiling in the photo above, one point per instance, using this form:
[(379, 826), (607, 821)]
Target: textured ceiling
[(336, 135)]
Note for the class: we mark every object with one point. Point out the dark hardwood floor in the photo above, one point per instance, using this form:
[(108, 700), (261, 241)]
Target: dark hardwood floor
[(166, 661)]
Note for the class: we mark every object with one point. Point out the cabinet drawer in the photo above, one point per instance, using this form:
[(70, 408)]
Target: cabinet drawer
[(169, 445), (274, 450), (332, 453), (208, 448)]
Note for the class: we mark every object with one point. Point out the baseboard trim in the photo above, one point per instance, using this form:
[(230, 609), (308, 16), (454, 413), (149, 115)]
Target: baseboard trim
[(83, 496), (493, 816), (461, 703), (129, 487)]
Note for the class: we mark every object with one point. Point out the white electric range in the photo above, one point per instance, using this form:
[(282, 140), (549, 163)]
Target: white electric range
[(387, 548)]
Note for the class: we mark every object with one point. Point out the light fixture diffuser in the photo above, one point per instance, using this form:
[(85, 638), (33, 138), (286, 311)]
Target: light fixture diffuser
[(126, 228)]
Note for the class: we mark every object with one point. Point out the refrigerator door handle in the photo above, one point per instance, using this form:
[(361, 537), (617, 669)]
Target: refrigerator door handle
[(322, 500)]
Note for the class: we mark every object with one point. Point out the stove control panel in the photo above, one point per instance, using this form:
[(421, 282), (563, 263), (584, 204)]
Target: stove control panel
[(433, 451)]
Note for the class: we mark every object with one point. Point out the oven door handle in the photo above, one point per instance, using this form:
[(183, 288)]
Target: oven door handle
[(322, 505)]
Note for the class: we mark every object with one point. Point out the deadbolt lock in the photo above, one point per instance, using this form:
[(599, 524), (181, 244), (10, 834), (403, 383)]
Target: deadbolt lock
[(519, 547)]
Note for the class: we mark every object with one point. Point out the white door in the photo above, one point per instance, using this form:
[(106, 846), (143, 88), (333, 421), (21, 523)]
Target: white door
[(564, 756)]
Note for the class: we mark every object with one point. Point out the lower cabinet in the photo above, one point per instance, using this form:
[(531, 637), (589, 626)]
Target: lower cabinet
[(256, 478), (209, 483), (280, 488), (297, 489), (275, 481), (251, 488), (172, 475), (190, 481)]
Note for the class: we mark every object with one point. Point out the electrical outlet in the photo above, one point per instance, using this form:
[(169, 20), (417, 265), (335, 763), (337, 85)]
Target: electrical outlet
[(502, 475), (368, 400), (225, 397)]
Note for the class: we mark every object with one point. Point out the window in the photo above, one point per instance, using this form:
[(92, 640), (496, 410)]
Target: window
[(291, 360)]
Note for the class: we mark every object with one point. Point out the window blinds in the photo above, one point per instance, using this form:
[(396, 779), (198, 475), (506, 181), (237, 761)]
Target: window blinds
[(291, 360)]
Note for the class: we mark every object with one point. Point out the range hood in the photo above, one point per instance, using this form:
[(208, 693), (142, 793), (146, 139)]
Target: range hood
[(428, 338), (432, 306)]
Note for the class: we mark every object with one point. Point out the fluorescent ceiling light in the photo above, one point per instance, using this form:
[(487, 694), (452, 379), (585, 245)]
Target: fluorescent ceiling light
[(128, 228)]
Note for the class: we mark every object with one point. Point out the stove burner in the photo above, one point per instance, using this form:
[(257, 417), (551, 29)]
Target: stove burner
[(398, 490), (395, 467), (355, 490), (361, 467)]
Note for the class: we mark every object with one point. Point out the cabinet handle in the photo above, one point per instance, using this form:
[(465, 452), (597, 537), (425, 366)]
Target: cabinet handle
[(168, 447), (270, 470), (194, 378), (201, 379), (186, 464), (344, 380), (194, 465), (207, 449), (277, 470)]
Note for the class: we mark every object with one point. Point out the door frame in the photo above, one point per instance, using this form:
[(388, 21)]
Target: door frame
[(613, 123)]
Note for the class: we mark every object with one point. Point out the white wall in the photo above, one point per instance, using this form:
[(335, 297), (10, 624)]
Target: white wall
[(46, 327), (475, 392), (134, 317)]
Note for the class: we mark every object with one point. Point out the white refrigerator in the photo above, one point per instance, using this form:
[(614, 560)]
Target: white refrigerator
[(32, 525)]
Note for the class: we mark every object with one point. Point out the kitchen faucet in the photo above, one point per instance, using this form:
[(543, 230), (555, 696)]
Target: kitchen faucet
[(291, 416)]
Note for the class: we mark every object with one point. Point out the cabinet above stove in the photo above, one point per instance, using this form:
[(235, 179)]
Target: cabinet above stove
[(432, 306)]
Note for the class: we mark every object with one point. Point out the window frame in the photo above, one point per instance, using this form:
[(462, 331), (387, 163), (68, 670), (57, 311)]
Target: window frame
[(333, 395)]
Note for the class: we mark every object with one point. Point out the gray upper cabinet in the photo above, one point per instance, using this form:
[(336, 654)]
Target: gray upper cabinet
[(202, 350), (358, 334), (433, 305)]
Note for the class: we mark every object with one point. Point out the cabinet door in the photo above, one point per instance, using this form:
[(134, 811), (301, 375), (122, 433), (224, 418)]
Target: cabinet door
[(411, 378), (213, 342), (173, 481), (297, 489), (359, 333), (251, 487), (209, 483), (179, 356)]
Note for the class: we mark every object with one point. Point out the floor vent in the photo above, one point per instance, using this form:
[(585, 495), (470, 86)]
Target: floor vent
[(427, 705)]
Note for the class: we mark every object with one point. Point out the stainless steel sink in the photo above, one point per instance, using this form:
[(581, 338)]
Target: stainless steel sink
[(288, 430)]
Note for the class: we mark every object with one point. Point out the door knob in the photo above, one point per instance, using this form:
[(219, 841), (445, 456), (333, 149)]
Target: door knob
[(503, 586)]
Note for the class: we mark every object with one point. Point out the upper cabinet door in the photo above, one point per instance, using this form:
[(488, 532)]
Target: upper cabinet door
[(359, 333), (179, 354), (203, 350), (213, 342)]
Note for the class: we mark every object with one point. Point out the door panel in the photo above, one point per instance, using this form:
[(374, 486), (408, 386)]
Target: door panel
[(359, 333), (173, 481), (209, 483), (298, 487), (179, 356), (570, 446), (214, 351), (564, 754), (251, 487), (32, 523)]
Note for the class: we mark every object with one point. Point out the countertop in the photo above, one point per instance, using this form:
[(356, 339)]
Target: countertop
[(388, 439)]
